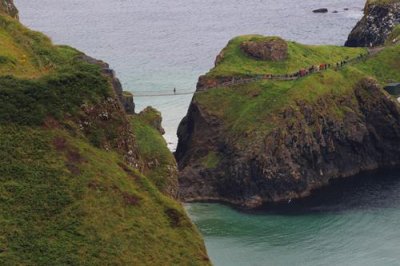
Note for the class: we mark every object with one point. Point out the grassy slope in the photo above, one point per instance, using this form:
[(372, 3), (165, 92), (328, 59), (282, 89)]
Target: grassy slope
[(251, 110), (236, 62), (149, 142), (63, 200)]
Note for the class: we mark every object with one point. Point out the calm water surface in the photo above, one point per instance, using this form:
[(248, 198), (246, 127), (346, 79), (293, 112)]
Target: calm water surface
[(157, 45), (348, 224)]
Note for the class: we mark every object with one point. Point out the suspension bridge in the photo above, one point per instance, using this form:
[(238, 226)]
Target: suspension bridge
[(302, 73)]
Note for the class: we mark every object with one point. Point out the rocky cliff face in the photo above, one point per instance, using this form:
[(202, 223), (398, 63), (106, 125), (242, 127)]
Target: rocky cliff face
[(310, 147), (8, 7), (379, 20)]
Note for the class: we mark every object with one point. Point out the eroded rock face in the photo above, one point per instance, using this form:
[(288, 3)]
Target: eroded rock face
[(275, 49), (378, 22), (8, 7), (308, 148), (125, 98)]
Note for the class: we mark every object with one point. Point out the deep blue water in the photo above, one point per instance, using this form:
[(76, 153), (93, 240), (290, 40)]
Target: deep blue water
[(157, 45)]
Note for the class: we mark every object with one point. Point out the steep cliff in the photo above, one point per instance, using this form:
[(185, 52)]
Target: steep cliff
[(81, 182), (274, 140), (380, 18)]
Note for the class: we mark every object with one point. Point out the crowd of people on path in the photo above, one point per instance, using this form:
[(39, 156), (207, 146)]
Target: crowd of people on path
[(299, 74)]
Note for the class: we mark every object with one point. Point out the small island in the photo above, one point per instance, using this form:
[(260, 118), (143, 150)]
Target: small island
[(275, 120)]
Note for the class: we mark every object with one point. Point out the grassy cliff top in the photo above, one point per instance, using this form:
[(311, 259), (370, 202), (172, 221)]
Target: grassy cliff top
[(28, 54), (250, 110), (235, 62)]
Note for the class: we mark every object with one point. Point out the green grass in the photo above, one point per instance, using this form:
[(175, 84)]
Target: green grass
[(160, 165), (211, 160), (394, 37), (238, 63), (76, 204)]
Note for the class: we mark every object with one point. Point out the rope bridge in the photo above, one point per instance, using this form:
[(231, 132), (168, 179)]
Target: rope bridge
[(285, 77)]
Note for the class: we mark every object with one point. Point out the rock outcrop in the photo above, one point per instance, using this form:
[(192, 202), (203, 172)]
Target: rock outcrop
[(8, 7), (308, 148), (270, 141), (272, 49), (380, 18)]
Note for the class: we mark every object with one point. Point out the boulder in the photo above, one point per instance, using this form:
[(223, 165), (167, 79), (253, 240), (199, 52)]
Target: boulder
[(271, 49)]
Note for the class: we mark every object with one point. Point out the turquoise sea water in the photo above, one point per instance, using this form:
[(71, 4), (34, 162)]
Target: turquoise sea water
[(349, 224), (157, 45)]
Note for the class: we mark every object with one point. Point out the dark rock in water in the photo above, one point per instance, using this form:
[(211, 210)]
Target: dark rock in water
[(345, 9), (271, 49), (374, 28), (309, 147), (335, 11), (321, 10)]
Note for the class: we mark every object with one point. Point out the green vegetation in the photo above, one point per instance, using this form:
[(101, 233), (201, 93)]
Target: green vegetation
[(64, 200), (237, 63), (250, 110), (153, 150), (211, 160), (381, 2), (394, 37)]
